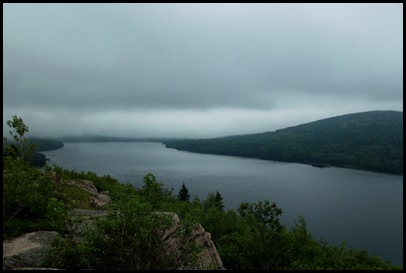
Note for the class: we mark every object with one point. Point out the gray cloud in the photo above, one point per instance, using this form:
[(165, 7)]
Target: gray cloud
[(85, 63)]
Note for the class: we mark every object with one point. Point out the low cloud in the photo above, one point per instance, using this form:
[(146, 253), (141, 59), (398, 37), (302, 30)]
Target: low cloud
[(197, 70)]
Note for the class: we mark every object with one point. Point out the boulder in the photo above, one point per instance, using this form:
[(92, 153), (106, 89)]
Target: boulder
[(97, 200), (27, 250), (84, 184), (176, 242)]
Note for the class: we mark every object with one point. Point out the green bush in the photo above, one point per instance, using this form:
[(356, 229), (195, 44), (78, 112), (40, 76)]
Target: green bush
[(30, 198), (130, 237)]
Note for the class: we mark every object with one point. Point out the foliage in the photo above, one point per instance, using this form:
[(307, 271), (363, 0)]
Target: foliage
[(183, 194), (369, 140), (29, 197), (214, 200), (18, 131), (46, 144), (257, 246), (130, 237), (26, 148), (264, 213), (39, 160), (104, 183), (154, 191)]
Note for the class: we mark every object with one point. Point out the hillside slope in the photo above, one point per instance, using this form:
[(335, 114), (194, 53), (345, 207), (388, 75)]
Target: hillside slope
[(368, 140), (46, 144)]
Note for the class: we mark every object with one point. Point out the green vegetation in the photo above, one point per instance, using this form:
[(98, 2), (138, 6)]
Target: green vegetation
[(21, 148), (27, 148), (251, 238), (370, 141), (128, 238), (46, 144), (183, 193)]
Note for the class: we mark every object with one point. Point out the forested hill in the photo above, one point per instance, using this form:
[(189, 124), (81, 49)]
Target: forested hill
[(46, 144), (367, 140)]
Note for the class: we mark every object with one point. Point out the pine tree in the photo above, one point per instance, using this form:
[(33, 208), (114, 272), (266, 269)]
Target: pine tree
[(219, 201), (183, 193)]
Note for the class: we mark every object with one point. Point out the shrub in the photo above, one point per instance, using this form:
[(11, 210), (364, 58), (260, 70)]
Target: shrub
[(30, 198)]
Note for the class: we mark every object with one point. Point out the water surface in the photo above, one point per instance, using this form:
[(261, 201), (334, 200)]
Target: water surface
[(363, 208)]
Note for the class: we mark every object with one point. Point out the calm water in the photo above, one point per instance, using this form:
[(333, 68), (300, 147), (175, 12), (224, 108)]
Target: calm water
[(365, 209)]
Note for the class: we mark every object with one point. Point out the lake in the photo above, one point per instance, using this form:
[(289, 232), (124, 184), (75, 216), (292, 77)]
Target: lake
[(363, 208)]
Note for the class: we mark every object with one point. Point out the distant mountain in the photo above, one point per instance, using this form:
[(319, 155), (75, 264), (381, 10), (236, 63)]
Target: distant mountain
[(368, 140)]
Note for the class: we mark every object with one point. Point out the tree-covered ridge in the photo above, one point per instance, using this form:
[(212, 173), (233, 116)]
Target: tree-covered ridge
[(46, 144), (367, 140)]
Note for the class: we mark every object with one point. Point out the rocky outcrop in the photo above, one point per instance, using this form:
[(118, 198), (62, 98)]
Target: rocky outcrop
[(97, 200), (208, 257), (27, 251)]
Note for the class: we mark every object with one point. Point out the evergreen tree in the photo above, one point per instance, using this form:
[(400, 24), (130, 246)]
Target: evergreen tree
[(183, 193), (214, 200), (219, 200)]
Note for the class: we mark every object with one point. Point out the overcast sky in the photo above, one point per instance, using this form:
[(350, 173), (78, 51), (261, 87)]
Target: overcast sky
[(197, 70)]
